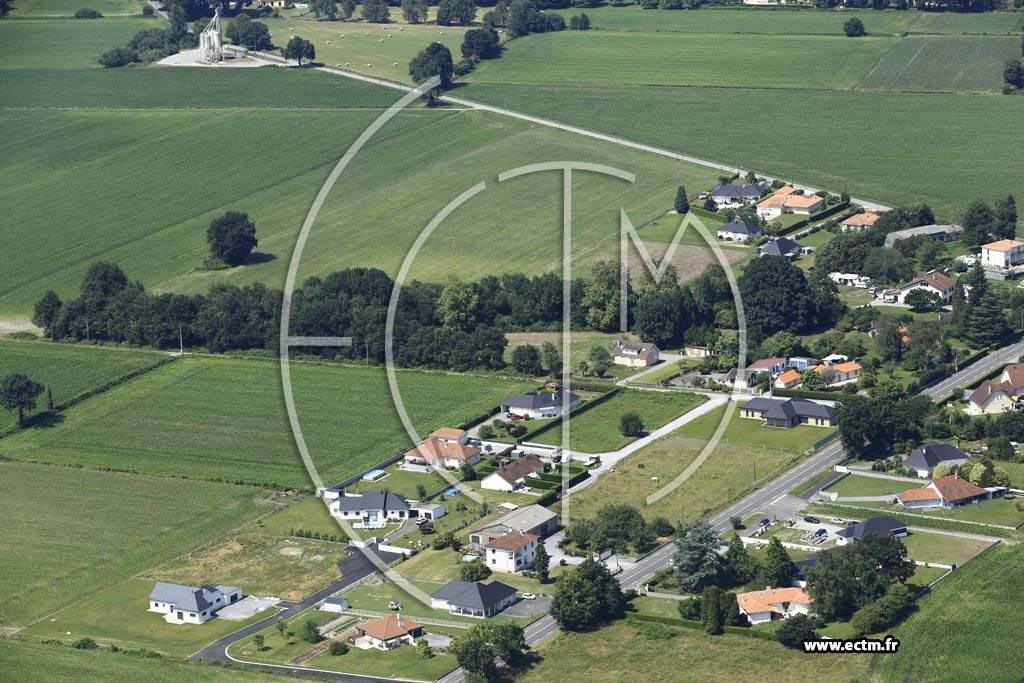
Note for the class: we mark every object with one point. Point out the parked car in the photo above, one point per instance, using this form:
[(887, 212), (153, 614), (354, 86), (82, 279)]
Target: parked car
[(529, 596), (1008, 496), (764, 521), (421, 521), (514, 417), (812, 520), (821, 532), (838, 520)]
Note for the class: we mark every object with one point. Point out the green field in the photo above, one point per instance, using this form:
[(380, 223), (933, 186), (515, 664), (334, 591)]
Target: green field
[(27, 662), (944, 63), (71, 44), (70, 532), (119, 616), (620, 652), (941, 548), (67, 8), (68, 371), (996, 511), (609, 58), (726, 475), (750, 432), (853, 485), (224, 418), (790, 21), (902, 161), (597, 430), (956, 617)]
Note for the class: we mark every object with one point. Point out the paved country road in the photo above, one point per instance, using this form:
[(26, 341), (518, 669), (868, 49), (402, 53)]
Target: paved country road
[(975, 371)]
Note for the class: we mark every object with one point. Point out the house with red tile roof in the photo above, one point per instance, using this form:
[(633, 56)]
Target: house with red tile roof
[(774, 603), (787, 380), (949, 492), (387, 632), (838, 373), (859, 222), (1002, 254), (935, 282), (998, 395), (511, 553), (445, 447)]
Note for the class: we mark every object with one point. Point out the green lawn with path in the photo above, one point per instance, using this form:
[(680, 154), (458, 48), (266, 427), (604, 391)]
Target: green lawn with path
[(596, 430), (119, 616), (997, 511)]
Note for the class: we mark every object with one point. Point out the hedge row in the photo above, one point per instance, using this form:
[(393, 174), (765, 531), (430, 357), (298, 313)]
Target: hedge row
[(799, 225), (841, 510), (807, 393), (689, 623)]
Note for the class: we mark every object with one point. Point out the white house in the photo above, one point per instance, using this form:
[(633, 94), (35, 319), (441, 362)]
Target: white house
[(698, 351), (515, 475), (1002, 254), (635, 354), (999, 395), (187, 605), (774, 603), (444, 448), (511, 553), (850, 279), (480, 600), (948, 492), (387, 632), (935, 282), (541, 405), (370, 507), (738, 230)]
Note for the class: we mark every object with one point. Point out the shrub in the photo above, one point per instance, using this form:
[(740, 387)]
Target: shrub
[(85, 644), (338, 647), (119, 56), (86, 13), (147, 10)]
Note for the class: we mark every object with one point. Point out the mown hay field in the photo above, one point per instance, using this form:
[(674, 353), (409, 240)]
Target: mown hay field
[(944, 63), (217, 418), (799, 21), (630, 58), (875, 145), (953, 637), (68, 371), (69, 532)]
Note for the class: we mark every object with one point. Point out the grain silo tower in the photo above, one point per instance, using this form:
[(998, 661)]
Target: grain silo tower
[(211, 44)]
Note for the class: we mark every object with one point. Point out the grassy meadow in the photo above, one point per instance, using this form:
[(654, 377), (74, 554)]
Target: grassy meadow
[(688, 656), (747, 432), (69, 532), (952, 637), (217, 418), (775, 21), (33, 9), (68, 371), (944, 63), (62, 44), (610, 58)]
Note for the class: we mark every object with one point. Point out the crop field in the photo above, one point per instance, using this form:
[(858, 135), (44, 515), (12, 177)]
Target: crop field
[(610, 58), (597, 430), (28, 662), (72, 44), (66, 536), (690, 656), (381, 50), (726, 475), (899, 162), (952, 637), (120, 616), (787, 21), (224, 419), (67, 8), (945, 63), (68, 371)]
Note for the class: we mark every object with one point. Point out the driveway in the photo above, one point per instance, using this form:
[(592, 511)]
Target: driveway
[(529, 608)]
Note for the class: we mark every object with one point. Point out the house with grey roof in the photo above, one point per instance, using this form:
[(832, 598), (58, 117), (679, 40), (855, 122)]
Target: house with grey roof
[(532, 519), (479, 600), (939, 233), (736, 195), (542, 404), (926, 458), (188, 605), (780, 246), (370, 507), (875, 525), (738, 230), (785, 414)]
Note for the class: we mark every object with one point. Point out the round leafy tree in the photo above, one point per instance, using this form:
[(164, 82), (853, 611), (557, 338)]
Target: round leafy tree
[(232, 237)]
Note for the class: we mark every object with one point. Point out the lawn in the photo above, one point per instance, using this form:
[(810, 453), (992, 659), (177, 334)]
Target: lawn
[(941, 548), (998, 511), (264, 559), (600, 656), (787, 21), (747, 432), (956, 617), (403, 662), (67, 8), (377, 597), (944, 63), (900, 162), (223, 418), (441, 566), (119, 616), (403, 482), (725, 476), (68, 371), (609, 58), (597, 430), (28, 662), (72, 44), (68, 532), (854, 485)]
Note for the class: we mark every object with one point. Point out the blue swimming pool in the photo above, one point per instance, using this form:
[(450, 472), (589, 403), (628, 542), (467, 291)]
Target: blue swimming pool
[(375, 475)]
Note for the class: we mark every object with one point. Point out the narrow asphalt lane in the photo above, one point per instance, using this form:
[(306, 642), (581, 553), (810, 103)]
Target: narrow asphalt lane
[(975, 371)]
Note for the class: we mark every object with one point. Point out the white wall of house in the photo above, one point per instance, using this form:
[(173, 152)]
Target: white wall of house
[(492, 482), (511, 561)]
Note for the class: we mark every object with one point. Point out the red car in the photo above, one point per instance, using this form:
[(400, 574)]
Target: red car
[(513, 417)]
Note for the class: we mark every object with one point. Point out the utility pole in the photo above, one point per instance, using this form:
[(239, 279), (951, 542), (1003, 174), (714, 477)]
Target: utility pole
[(755, 474), (87, 330), (181, 342)]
